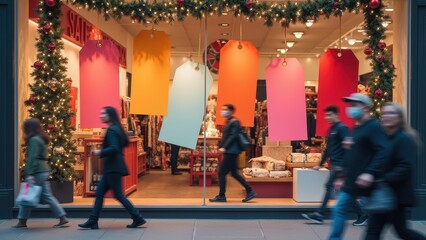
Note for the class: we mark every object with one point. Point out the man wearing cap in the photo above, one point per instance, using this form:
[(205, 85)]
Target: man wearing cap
[(363, 161)]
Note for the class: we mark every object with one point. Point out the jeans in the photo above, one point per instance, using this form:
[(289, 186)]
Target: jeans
[(46, 196), (398, 219), (329, 188), (174, 157), (112, 181), (230, 164), (344, 203)]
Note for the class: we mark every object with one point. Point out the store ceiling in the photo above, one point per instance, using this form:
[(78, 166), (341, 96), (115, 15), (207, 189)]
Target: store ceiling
[(185, 35)]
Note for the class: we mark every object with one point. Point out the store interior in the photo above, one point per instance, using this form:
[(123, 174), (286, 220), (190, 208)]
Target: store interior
[(151, 181)]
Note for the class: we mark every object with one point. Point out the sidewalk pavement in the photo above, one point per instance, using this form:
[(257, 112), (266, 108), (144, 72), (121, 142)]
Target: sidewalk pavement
[(183, 229)]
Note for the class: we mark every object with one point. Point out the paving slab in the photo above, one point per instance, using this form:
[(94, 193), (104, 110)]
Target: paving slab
[(228, 229)]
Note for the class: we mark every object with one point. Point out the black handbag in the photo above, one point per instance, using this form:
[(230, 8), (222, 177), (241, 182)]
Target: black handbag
[(382, 198)]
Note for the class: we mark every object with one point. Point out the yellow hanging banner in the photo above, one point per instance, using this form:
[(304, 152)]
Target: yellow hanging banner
[(150, 73)]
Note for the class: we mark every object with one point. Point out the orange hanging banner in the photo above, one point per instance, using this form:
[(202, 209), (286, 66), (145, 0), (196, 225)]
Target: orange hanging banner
[(151, 73), (238, 70)]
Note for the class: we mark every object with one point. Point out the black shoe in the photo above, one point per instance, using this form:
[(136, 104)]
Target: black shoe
[(361, 221), (314, 217), (92, 223), (176, 173), (249, 196), (218, 199), (139, 221)]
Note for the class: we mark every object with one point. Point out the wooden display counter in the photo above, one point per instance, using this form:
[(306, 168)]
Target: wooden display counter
[(267, 187), (93, 167)]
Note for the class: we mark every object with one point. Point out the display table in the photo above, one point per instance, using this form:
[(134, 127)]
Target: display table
[(199, 171), (93, 167), (266, 187), (308, 184)]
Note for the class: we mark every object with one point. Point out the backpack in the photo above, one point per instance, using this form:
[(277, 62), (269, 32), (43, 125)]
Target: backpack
[(243, 138)]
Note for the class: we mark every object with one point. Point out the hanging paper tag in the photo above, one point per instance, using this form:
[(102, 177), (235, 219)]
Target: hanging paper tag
[(188, 93), (237, 81), (99, 81), (150, 73), (285, 92), (338, 78)]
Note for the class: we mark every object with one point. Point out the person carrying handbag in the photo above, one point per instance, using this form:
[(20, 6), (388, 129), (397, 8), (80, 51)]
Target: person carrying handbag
[(230, 147), (399, 170), (37, 171)]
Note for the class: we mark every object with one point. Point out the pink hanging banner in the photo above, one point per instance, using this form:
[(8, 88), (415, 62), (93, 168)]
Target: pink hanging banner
[(238, 69), (99, 81), (338, 77), (285, 91)]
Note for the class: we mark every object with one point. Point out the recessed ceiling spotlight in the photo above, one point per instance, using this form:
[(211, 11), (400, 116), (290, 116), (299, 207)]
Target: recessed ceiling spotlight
[(309, 23), (351, 41), (290, 44), (225, 13), (298, 34), (385, 24), (224, 34), (389, 9), (224, 24), (282, 50)]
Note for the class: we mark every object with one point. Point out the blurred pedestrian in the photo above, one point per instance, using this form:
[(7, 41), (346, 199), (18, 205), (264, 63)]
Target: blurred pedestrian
[(399, 170), (37, 171), (366, 154), (231, 148), (113, 170), (335, 152)]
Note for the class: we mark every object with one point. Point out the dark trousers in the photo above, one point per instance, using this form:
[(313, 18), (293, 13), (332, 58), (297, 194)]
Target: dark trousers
[(230, 164), (112, 181), (398, 219), (174, 157), (329, 188)]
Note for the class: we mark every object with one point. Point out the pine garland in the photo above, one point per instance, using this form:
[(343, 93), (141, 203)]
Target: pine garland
[(50, 93)]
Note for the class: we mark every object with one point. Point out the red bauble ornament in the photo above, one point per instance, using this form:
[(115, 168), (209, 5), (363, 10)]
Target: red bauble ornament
[(382, 45), (37, 65), (336, 5), (249, 4), (52, 47), (32, 100), (378, 93), (374, 4), (47, 28), (50, 3), (368, 50), (180, 2), (51, 126), (380, 58)]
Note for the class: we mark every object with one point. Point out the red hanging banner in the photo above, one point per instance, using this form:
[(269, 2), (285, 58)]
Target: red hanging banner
[(237, 80), (338, 78)]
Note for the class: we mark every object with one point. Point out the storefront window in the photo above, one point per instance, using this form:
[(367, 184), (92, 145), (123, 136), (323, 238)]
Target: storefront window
[(268, 165)]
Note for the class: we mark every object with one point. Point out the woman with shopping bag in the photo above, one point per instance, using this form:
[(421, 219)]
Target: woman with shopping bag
[(37, 172)]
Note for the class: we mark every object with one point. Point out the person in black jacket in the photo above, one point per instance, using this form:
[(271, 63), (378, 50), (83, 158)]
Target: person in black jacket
[(364, 160), (113, 170), (335, 152), (230, 147), (399, 171)]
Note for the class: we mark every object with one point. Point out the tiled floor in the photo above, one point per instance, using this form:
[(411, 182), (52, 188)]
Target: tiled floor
[(40, 229)]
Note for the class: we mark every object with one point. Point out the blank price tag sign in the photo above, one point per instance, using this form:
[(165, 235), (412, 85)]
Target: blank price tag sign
[(182, 124), (285, 92), (151, 73), (237, 81), (99, 81), (338, 78)]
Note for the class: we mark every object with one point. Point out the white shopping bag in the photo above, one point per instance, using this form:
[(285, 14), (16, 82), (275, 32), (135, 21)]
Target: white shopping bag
[(29, 195)]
